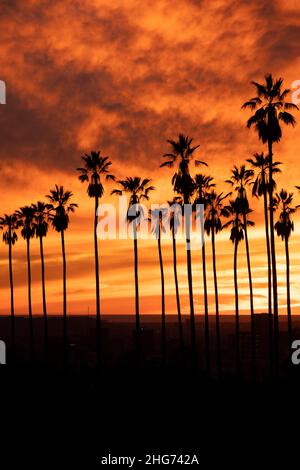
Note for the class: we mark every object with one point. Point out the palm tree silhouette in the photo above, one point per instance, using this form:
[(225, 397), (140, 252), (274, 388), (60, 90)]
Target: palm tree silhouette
[(157, 222), (25, 217), (96, 166), (9, 226), (61, 207), (215, 210), (175, 215), (271, 109), (284, 227), (237, 223), (139, 190), (260, 188), (41, 224), (183, 183), (240, 179), (204, 183)]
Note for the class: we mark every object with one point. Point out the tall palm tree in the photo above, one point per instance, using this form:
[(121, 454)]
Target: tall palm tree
[(9, 226), (284, 227), (204, 183), (25, 217), (176, 203), (236, 222), (182, 153), (60, 207), (215, 211), (260, 188), (41, 225), (138, 190), (157, 223), (271, 110), (95, 167), (239, 180)]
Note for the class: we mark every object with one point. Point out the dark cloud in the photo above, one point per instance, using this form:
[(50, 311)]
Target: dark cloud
[(280, 46), (130, 81)]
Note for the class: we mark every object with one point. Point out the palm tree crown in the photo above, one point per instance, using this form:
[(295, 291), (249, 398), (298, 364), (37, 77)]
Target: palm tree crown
[(260, 165), (175, 215), (60, 207), (282, 202), (41, 218), (94, 166), (25, 217), (271, 109), (9, 225), (183, 151), (203, 184), (236, 222), (215, 210), (240, 178), (157, 218), (138, 189)]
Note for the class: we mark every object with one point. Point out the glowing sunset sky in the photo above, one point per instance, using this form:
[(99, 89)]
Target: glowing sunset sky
[(124, 76)]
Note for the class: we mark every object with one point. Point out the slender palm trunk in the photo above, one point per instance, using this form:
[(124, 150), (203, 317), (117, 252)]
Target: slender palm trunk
[(206, 318), (31, 337), (270, 316), (12, 305), (218, 332), (187, 219), (253, 349), (65, 326), (273, 258), (237, 317), (177, 295), (44, 299), (137, 305), (98, 317), (288, 292), (163, 310)]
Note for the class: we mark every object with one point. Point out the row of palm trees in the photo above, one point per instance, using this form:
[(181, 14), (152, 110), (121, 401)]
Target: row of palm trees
[(271, 111), (33, 221), (220, 212)]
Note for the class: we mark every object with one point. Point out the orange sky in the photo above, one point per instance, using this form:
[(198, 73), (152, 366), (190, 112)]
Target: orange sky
[(123, 77)]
